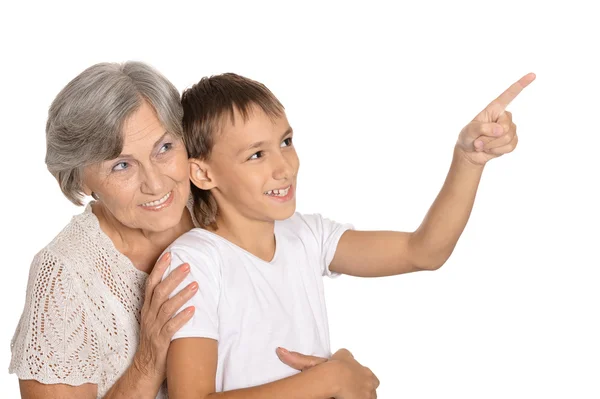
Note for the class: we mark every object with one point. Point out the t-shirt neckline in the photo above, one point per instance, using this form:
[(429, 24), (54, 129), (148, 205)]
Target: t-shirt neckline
[(272, 262)]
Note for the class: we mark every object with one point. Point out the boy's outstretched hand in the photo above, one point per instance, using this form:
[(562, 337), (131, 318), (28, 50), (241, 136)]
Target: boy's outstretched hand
[(492, 132)]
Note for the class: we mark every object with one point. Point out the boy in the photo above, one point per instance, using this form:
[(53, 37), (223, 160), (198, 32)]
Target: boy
[(260, 265)]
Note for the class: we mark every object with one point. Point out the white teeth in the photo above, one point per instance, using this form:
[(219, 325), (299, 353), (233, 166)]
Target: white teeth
[(278, 193), (158, 202)]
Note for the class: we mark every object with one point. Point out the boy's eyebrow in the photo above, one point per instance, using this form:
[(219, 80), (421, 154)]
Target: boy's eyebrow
[(259, 144), (157, 142)]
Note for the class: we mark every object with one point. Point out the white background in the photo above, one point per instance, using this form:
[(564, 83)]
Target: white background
[(377, 94)]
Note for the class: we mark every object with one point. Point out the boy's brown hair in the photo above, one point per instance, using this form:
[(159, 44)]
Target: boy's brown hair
[(205, 107)]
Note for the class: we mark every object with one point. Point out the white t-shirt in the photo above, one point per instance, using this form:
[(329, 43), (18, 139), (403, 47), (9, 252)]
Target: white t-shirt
[(251, 306)]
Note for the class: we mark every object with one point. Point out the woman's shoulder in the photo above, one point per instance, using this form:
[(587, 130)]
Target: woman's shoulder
[(61, 337), (74, 244)]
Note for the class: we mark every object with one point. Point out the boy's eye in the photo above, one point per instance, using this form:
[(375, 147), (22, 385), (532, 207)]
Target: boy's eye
[(120, 166), (256, 155), (287, 142)]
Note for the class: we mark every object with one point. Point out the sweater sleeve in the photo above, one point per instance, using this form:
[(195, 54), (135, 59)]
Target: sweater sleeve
[(55, 342)]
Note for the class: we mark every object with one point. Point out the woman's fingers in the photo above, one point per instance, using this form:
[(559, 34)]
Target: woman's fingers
[(174, 324), (155, 277), (157, 322), (163, 290), (168, 309)]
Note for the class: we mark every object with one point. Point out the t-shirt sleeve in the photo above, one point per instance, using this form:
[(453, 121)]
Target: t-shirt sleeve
[(55, 342), (205, 270), (327, 233)]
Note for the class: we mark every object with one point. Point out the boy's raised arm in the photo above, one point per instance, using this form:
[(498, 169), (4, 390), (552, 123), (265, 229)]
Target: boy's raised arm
[(384, 253), (192, 363)]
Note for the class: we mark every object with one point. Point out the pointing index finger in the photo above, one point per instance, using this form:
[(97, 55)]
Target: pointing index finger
[(501, 102)]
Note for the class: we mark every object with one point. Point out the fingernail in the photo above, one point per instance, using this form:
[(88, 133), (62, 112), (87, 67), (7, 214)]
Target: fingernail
[(283, 350), (190, 310), (478, 144), (185, 268), (167, 257), (194, 287)]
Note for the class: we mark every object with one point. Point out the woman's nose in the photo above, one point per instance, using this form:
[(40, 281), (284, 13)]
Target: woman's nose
[(153, 181)]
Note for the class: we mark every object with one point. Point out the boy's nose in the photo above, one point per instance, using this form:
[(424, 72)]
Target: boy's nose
[(283, 169)]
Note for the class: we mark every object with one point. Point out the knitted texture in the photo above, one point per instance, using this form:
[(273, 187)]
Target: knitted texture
[(81, 318)]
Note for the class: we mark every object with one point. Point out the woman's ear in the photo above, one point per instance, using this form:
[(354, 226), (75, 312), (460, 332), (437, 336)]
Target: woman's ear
[(88, 191), (200, 174), (85, 189), (85, 178)]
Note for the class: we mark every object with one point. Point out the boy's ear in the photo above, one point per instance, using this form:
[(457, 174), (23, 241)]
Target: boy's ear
[(200, 174)]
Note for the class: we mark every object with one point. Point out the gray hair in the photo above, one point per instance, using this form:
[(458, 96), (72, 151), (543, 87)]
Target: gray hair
[(85, 119)]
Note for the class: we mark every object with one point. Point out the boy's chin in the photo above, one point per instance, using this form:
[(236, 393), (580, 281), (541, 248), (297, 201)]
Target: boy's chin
[(284, 214)]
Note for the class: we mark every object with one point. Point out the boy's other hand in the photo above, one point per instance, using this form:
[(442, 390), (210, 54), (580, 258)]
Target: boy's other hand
[(297, 360), (354, 381), (492, 132)]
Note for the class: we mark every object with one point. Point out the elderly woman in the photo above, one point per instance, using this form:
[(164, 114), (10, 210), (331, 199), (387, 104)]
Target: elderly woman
[(98, 320)]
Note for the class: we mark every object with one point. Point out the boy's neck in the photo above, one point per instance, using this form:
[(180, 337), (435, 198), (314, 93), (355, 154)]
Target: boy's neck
[(256, 237)]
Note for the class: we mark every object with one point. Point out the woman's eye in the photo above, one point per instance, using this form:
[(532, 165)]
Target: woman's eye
[(287, 142), (256, 155), (165, 148), (120, 166)]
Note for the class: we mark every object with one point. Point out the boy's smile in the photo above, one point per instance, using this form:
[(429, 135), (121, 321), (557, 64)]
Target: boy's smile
[(282, 194)]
